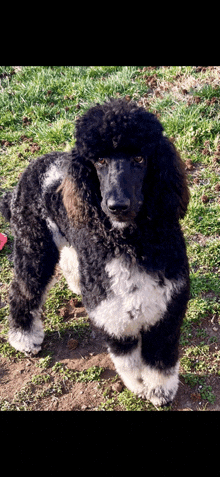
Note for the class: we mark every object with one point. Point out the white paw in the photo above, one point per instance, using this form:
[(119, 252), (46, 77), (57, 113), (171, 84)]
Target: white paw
[(148, 383), (160, 388), (159, 396), (29, 342)]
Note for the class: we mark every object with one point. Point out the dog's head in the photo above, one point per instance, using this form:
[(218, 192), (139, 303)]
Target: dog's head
[(124, 167), (121, 179)]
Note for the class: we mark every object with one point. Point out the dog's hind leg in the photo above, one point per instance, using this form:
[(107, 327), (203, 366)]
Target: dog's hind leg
[(35, 258)]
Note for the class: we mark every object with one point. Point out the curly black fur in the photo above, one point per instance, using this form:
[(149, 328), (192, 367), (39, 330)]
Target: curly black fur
[(121, 220), (116, 125), (5, 206)]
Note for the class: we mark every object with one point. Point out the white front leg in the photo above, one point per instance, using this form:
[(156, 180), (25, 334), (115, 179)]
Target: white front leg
[(147, 382), (129, 368)]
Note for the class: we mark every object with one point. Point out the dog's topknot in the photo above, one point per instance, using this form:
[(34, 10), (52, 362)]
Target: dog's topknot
[(116, 125)]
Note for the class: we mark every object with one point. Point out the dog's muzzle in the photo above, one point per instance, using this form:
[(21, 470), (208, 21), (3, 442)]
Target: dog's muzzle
[(118, 207)]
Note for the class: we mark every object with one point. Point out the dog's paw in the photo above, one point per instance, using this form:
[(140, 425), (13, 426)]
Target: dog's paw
[(158, 396), (158, 387), (29, 342), (161, 397)]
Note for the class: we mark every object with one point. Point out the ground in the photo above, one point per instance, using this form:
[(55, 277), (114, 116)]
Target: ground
[(73, 371)]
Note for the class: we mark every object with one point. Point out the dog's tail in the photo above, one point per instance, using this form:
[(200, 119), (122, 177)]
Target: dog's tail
[(5, 206)]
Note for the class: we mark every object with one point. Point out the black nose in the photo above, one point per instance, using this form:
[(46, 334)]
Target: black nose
[(117, 206)]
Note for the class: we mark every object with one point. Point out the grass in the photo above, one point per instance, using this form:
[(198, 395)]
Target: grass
[(39, 106), (90, 374)]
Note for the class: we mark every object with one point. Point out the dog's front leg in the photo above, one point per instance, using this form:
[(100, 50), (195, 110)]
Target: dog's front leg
[(126, 356), (142, 378), (34, 264)]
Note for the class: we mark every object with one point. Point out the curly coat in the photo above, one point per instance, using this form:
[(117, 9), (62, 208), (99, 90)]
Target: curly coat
[(134, 279)]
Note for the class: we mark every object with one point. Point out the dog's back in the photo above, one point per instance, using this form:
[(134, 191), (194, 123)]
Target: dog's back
[(39, 178)]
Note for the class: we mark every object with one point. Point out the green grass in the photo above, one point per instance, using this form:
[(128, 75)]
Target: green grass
[(39, 106), (127, 402), (90, 374), (58, 296)]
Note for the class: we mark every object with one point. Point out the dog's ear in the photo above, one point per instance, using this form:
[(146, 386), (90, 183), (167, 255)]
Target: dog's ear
[(166, 190), (80, 192)]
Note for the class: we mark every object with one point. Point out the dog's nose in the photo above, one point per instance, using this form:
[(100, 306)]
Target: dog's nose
[(117, 206)]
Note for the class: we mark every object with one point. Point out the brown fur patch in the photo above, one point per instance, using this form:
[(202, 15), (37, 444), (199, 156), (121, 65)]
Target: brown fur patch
[(73, 204)]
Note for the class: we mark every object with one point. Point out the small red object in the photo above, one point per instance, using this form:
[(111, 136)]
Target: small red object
[(3, 240)]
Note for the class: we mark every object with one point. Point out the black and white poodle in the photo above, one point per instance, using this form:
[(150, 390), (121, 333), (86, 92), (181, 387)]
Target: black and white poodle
[(108, 212)]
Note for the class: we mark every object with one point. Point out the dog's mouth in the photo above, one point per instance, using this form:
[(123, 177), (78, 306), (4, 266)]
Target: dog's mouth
[(119, 224), (121, 220)]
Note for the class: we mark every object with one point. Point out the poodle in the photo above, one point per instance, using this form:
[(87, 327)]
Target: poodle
[(108, 212)]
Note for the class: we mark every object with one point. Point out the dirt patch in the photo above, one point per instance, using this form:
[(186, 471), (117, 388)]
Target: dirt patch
[(18, 376)]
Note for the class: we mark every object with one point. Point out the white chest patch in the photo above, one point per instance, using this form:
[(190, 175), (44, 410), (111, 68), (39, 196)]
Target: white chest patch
[(135, 300)]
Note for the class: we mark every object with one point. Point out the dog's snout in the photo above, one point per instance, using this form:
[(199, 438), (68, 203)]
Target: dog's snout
[(118, 206)]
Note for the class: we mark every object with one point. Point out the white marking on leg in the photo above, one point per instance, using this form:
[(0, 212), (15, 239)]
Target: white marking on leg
[(145, 381), (28, 341), (70, 267), (160, 387), (129, 368), (58, 238)]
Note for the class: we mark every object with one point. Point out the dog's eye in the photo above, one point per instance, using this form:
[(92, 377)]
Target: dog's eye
[(101, 161), (138, 159)]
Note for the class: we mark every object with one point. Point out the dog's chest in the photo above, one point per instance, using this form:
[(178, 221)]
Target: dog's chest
[(135, 299)]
